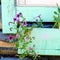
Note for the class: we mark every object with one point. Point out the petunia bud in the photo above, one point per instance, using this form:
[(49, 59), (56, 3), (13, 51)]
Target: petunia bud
[(17, 35), (24, 23)]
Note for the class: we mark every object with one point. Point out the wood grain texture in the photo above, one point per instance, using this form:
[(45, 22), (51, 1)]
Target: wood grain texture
[(6, 44), (0, 25), (8, 13), (7, 48)]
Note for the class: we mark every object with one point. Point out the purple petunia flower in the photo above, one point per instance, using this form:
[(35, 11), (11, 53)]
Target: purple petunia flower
[(18, 21), (30, 48), (18, 15), (17, 35), (26, 39), (14, 19), (24, 24), (10, 37)]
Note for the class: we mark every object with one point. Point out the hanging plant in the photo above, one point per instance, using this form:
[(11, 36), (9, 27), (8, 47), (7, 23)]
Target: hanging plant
[(57, 17)]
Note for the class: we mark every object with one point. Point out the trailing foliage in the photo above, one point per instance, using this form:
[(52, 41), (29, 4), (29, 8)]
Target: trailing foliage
[(22, 38), (56, 16)]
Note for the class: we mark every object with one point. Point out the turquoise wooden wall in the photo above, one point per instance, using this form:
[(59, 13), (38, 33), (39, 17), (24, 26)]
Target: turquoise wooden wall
[(9, 10), (31, 12), (47, 41), (49, 46)]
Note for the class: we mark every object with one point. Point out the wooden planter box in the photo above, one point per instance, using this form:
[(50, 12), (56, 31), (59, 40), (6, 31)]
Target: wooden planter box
[(7, 48), (8, 51), (47, 41)]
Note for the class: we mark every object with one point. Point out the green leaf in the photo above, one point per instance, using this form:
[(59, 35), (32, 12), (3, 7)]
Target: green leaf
[(55, 25), (58, 9), (55, 18), (33, 45), (17, 45), (30, 41), (11, 28), (55, 13)]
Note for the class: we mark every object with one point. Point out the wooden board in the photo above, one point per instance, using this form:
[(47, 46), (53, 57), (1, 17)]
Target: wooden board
[(47, 41), (0, 25), (5, 44), (7, 48), (8, 12)]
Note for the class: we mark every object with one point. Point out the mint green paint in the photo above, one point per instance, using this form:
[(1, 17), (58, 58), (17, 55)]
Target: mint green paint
[(8, 12), (46, 41), (44, 46), (31, 12)]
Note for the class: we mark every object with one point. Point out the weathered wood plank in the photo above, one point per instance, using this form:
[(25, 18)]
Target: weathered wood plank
[(8, 13), (6, 44), (0, 25), (47, 41), (7, 48)]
